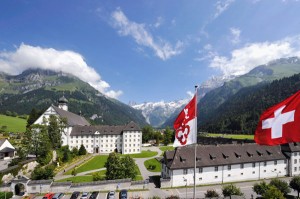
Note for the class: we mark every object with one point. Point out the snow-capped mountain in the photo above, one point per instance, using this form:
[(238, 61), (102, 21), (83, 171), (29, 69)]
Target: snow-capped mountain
[(156, 113), (212, 83)]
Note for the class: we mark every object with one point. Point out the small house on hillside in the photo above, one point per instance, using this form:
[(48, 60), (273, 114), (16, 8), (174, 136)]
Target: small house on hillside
[(7, 150)]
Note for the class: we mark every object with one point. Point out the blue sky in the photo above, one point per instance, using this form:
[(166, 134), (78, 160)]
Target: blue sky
[(147, 51)]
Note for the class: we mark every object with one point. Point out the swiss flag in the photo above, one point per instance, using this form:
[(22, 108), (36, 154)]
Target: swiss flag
[(281, 123), (185, 125)]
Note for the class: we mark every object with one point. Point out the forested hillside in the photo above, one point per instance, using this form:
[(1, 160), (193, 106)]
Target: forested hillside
[(240, 113), (39, 89)]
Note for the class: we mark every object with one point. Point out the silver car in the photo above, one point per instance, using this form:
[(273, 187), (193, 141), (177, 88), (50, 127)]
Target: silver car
[(111, 195)]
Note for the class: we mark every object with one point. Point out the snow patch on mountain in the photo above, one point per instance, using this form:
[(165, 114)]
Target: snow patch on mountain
[(156, 113)]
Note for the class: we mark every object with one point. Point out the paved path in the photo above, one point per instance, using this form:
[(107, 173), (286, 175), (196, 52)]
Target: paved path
[(139, 161), (60, 174)]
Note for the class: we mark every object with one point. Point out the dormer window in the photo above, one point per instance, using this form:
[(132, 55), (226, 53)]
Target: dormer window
[(198, 158), (225, 156), (260, 153), (212, 156), (249, 154), (269, 152), (182, 159), (237, 155)]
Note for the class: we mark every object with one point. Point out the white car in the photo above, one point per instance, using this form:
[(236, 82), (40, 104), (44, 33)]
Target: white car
[(84, 195), (111, 195)]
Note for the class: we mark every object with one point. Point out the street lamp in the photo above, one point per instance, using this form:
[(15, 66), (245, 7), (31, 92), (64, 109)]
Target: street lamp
[(185, 180)]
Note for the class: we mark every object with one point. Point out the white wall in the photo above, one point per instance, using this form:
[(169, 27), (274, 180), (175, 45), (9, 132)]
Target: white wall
[(295, 163), (223, 174), (132, 142)]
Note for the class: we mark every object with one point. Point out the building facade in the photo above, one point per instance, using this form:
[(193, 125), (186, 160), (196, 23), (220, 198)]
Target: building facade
[(125, 139), (7, 151), (228, 163)]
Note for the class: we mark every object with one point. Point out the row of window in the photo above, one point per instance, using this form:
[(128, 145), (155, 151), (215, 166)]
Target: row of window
[(295, 161), (92, 141), (229, 167), (229, 175), (106, 136), (296, 153), (138, 135), (111, 150), (112, 145)]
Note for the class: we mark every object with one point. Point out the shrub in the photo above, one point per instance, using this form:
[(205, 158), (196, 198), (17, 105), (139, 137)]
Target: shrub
[(8, 195), (74, 172), (211, 193), (97, 176), (172, 197)]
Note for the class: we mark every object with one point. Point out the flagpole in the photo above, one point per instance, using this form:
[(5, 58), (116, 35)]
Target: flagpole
[(195, 158)]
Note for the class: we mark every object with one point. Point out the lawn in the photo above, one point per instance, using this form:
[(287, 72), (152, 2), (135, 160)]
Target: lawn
[(78, 179), (14, 124), (96, 162), (166, 148), (234, 136), (89, 177), (153, 165), (144, 154)]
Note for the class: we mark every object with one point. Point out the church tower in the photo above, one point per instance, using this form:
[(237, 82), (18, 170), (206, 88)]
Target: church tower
[(63, 103)]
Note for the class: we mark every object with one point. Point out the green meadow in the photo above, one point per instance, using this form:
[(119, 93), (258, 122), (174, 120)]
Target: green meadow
[(13, 124), (233, 136)]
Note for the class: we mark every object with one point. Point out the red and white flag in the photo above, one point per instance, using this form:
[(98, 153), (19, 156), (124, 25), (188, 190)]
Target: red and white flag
[(185, 125), (281, 123)]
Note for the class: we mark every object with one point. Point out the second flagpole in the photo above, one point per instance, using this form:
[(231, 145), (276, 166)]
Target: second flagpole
[(195, 158)]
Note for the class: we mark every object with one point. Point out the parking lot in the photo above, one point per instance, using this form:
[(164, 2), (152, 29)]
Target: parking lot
[(102, 195)]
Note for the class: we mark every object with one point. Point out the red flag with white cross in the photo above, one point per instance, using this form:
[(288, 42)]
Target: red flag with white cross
[(281, 123)]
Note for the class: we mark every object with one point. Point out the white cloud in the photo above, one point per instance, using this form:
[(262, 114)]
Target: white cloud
[(190, 94), (235, 35), (206, 53), (222, 6), (159, 22), (142, 37), (244, 59), (26, 56)]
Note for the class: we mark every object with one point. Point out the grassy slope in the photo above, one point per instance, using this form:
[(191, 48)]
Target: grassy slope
[(14, 124), (234, 136)]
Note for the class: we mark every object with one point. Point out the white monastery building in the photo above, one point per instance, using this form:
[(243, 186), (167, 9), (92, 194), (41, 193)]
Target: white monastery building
[(229, 163), (126, 139)]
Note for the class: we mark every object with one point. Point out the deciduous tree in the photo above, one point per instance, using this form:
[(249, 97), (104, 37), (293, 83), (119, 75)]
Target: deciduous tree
[(295, 184), (230, 190), (281, 186), (273, 193), (260, 188)]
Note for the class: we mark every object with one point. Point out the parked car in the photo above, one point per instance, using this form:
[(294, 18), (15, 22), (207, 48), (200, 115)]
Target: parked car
[(94, 195), (75, 195), (58, 196), (84, 195), (48, 196), (31, 196), (111, 195), (123, 194)]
